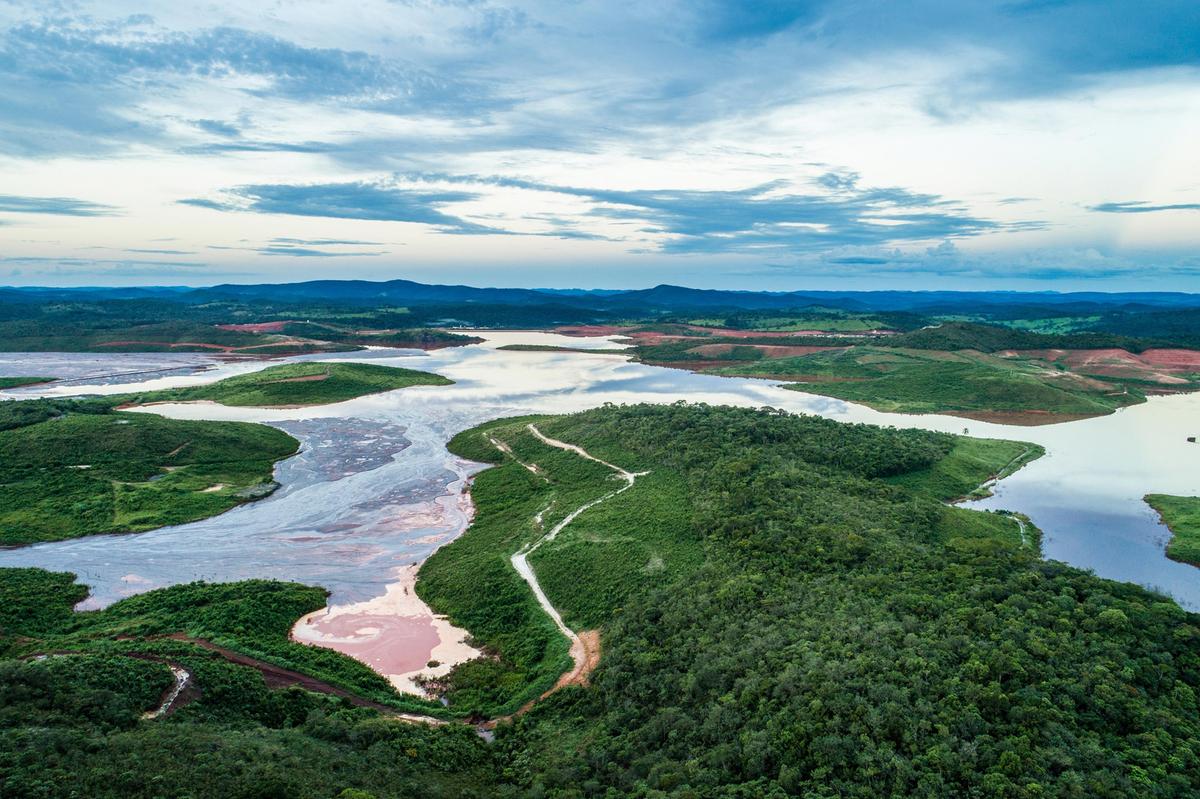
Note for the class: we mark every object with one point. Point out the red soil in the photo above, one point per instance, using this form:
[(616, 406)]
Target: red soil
[(1186, 359), (770, 351), (1165, 366), (221, 347), (257, 327)]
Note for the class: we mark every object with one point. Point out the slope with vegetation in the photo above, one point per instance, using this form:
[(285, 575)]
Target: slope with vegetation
[(73, 467), (1181, 515), (83, 323), (18, 382), (644, 537)]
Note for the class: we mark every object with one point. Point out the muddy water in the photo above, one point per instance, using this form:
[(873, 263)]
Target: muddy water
[(373, 491)]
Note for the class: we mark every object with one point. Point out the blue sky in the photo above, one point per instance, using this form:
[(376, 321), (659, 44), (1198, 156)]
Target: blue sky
[(1026, 144)]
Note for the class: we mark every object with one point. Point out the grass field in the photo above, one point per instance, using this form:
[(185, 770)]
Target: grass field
[(79, 474), (17, 382), (970, 464), (1182, 516), (298, 384)]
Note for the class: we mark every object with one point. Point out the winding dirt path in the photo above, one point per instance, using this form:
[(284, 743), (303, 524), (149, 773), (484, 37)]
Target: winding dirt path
[(585, 646), (182, 677), (279, 677)]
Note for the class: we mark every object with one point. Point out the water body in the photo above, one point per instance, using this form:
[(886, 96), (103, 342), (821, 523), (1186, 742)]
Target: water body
[(374, 491)]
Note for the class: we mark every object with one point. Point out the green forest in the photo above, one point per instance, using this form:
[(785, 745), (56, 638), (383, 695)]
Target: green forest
[(787, 608)]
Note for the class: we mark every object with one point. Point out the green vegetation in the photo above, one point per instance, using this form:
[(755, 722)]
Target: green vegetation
[(17, 382), (644, 537), (787, 609), (968, 468), (162, 325), (994, 338), (970, 370), (74, 688), (841, 636), (253, 618), (418, 338), (69, 469), (1182, 516), (314, 383), (915, 381), (830, 320)]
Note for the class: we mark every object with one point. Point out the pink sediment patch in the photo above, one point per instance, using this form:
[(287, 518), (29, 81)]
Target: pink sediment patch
[(396, 634)]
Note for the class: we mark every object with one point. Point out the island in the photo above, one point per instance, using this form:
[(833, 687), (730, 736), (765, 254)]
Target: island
[(295, 385)]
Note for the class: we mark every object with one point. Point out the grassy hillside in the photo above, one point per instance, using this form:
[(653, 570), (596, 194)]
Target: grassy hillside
[(1182, 516), (967, 467), (79, 324), (65, 473), (298, 384), (978, 371)]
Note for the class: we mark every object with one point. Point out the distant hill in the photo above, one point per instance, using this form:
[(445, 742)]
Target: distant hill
[(394, 292), (662, 298)]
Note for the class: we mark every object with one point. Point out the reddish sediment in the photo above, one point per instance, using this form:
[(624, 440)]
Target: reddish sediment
[(257, 327)]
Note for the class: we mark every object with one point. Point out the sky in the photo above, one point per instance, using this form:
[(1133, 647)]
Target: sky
[(894, 144)]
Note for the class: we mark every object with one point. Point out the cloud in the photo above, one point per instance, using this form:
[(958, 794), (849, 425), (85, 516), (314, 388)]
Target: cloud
[(1141, 207), (300, 249), (75, 85), (324, 242), (735, 20), (58, 206), (773, 216), (367, 201), (770, 217), (946, 260), (244, 146), (99, 262), (217, 127), (311, 252)]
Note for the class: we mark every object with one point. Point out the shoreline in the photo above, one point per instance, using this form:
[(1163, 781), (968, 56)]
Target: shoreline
[(397, 634)]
